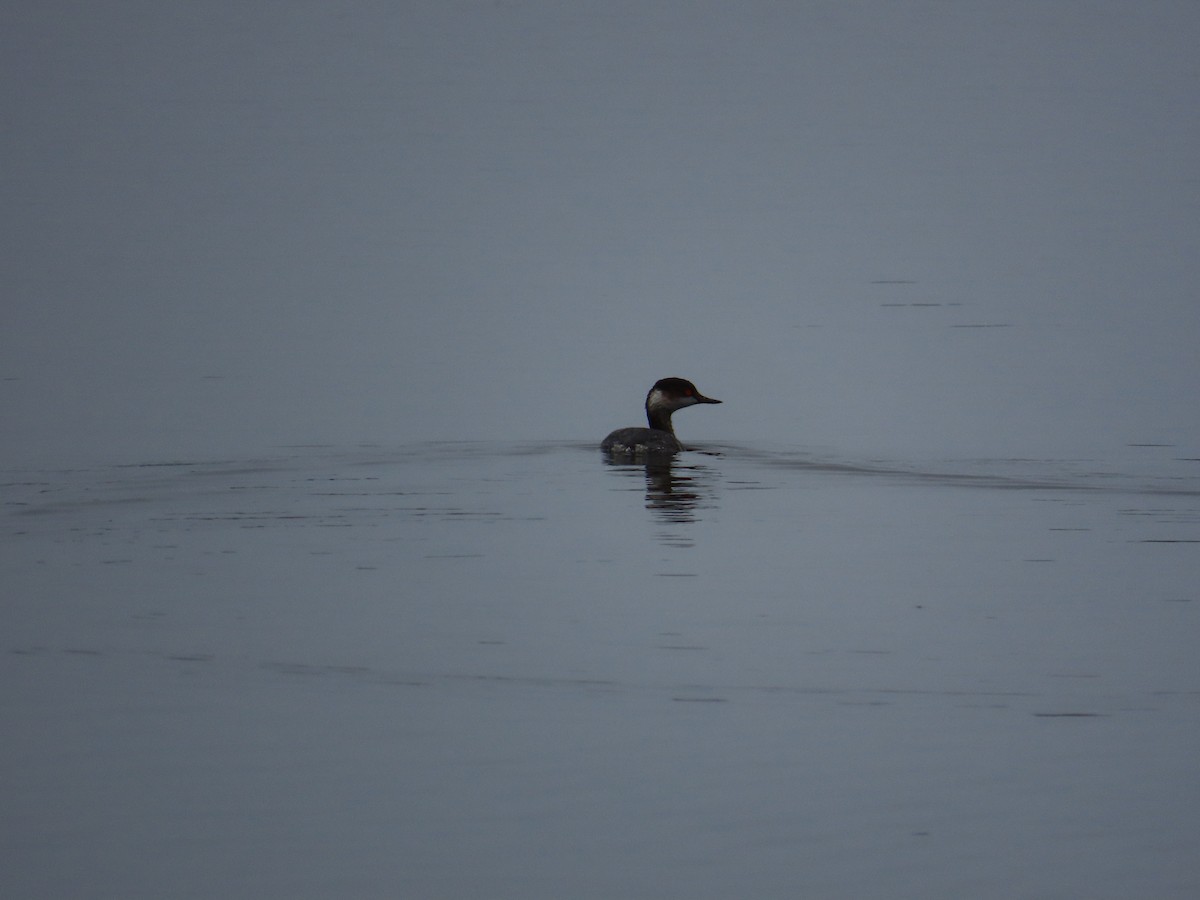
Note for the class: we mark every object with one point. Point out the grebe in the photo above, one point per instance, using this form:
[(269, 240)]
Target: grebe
[(667, 395)]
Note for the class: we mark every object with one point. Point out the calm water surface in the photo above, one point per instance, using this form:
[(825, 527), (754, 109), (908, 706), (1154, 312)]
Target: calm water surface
[(497, 670), (515, 670)]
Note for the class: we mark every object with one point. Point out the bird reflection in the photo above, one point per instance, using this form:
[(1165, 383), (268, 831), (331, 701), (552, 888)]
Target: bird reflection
[(675, 492)]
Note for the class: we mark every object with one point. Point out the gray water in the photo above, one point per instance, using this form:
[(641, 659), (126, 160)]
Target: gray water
[(913, 228), (515, 670), (314, 583)]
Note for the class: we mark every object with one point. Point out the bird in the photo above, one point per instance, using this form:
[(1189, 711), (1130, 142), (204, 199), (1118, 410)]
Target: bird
[(667, 396)]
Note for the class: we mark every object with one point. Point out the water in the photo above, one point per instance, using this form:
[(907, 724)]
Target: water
[(885, 228), (920, 619), (515, 670)]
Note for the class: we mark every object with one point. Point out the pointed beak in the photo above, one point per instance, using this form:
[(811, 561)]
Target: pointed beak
[(700, 398)]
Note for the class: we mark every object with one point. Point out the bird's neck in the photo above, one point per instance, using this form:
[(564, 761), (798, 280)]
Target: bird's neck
[(659, 419)]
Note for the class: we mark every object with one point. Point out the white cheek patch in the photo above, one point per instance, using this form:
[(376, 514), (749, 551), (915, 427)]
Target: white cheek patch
[(656, 400)]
